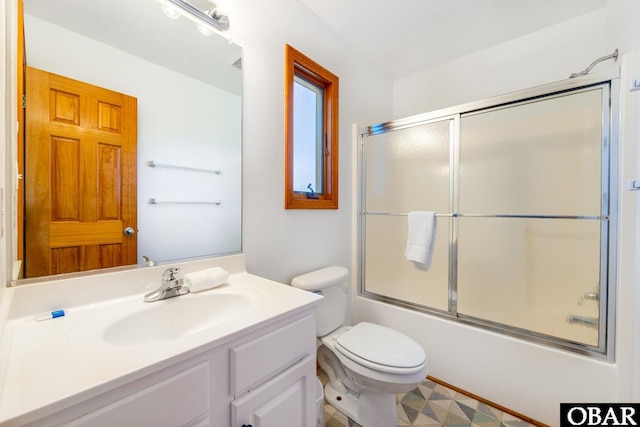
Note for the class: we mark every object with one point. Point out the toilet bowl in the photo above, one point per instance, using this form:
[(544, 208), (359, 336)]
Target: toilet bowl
[(367, 364)]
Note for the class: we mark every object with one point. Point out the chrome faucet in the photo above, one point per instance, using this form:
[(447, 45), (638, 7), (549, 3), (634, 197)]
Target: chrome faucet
[(170, 287)]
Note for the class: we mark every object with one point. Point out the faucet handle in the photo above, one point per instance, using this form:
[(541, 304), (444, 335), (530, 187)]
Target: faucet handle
[(169, 274)]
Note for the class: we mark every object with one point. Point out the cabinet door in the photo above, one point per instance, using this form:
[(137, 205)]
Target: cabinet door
[(288, 400)]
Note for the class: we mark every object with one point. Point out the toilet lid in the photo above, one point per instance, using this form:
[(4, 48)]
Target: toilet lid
[(378, 347)]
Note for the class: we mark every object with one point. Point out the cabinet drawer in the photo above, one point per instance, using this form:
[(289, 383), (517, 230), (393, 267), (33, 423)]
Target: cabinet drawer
[(256, 361), (180, 400)]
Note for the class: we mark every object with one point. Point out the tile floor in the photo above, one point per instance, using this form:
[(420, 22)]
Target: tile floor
[(434, 405)]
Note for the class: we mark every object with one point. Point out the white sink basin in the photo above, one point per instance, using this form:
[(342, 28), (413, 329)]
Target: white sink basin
[(176, 317), (135, 322)]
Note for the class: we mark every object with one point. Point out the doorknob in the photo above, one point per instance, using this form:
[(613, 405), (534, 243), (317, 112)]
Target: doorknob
[(129, 231)]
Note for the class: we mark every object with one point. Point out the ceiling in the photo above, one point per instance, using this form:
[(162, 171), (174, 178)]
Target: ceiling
[(400, 37), (406, 36)]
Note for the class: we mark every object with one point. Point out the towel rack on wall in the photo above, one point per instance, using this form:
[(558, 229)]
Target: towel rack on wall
[(401, 214), (458, 215), (153, 164), (153, 201)]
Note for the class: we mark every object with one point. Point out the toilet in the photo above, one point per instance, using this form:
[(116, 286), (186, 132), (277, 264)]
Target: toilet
[(367, 364)]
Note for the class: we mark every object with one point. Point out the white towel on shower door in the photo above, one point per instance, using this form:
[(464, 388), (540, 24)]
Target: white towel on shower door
[(421, 238)]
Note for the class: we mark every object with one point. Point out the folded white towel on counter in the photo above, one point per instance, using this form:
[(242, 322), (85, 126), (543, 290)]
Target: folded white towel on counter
[(206, 279), (421, 238)]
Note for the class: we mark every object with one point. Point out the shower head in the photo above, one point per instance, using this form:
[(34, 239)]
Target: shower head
[(584, 72), (581, 73)]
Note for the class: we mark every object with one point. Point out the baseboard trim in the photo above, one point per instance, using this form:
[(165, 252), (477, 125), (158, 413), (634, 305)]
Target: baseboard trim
[(488, 402)]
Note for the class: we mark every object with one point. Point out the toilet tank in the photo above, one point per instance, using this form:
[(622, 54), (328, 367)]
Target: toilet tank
[(331, 283)]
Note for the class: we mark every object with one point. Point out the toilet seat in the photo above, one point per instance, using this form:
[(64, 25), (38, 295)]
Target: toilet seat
[(382, 349)]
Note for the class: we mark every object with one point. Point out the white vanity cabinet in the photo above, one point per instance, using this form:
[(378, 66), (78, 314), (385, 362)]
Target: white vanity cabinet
[(273, 378), (262, 376)]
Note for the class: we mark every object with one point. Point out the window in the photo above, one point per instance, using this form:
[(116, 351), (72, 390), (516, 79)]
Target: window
[(311, 134)]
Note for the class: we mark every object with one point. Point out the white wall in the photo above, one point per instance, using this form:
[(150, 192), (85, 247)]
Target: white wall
[(528, 378), (5, 146), (541, 57), (279, 243), (632, 131), (181, 121)]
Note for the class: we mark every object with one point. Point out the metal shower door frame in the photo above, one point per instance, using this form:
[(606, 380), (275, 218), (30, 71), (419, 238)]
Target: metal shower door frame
[(609, 83)]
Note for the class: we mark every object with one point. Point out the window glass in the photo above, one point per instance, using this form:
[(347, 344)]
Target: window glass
[(307, 136)]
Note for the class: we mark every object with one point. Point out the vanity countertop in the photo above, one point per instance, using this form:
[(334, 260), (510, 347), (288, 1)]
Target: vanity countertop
[(47, 366)]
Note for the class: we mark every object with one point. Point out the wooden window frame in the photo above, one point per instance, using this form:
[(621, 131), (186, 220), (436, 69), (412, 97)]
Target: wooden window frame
[(298, 64)]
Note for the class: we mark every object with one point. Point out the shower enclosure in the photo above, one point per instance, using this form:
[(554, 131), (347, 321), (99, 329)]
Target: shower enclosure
[(524, 187)]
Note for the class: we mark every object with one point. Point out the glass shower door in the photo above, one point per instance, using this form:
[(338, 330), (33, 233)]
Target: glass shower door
[(531, 211), (407, 170)]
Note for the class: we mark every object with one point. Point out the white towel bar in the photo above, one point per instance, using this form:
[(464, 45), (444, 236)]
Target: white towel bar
[(153, 201), (457, 215), (153, 164)]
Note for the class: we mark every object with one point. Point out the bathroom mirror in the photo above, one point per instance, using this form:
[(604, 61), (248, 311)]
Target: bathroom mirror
[(188, 88)]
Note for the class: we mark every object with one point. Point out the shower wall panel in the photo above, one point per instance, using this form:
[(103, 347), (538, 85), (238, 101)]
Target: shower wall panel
[(389, 274), (407, 170), (530, 274), (541, 157), (538, 158)]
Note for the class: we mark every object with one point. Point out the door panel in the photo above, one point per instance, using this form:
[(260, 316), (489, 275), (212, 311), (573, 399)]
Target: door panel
[(80, 176), (285, 401)]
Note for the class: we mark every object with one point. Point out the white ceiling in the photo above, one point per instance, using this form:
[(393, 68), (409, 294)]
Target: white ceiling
[(399, 37), (405, 36)]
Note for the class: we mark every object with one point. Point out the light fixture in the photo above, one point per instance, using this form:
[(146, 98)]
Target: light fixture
[(205, 30), (170, 11), (207, 21)]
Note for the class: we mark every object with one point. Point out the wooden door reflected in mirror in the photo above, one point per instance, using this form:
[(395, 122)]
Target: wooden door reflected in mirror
[(80, 171)]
